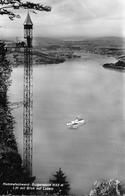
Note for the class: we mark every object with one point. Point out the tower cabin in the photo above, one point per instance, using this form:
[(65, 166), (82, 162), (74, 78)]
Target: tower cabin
[(28, 31)]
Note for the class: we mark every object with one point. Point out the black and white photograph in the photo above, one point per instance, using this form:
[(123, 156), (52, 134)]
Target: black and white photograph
[(62, 97)]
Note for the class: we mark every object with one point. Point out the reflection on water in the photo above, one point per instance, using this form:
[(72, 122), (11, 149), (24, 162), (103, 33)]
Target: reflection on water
[(61, 92)]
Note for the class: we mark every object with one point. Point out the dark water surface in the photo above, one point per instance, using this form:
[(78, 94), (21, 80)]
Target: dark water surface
[(61, 92)]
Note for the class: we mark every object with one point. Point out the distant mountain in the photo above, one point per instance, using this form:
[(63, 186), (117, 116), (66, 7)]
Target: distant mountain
[(105, 42), (44, 41), (99, 42), (113, 42)]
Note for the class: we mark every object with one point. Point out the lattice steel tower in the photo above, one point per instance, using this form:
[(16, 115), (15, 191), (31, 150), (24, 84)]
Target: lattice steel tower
[(28, 97)]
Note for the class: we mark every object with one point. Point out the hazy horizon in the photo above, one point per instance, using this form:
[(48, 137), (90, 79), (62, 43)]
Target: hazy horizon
[(13, 38)]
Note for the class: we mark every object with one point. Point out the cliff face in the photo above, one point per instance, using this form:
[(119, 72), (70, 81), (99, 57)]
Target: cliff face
[(10, 161), (7, 139)]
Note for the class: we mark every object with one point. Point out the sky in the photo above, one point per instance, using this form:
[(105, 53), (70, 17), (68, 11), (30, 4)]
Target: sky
[(71, 18)]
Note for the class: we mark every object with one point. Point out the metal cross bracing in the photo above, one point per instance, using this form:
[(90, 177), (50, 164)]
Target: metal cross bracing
[(28, 110), (28, 98)]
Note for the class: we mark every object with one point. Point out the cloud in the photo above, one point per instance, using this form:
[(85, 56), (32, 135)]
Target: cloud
[(74, 17)]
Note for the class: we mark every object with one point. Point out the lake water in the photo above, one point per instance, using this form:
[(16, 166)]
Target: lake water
[(62, 92)]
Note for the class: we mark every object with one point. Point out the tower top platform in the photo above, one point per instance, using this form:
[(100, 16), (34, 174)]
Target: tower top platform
[(28, 20)]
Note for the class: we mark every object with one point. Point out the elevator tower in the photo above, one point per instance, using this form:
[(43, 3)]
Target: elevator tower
[(28, 97)]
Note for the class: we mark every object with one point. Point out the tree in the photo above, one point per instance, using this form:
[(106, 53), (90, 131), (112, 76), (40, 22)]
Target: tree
[(60, 179), (17, 4), (2, 51), (107, 188)]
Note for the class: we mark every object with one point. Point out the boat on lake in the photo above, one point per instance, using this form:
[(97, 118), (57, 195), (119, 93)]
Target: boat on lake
[(76, 123)]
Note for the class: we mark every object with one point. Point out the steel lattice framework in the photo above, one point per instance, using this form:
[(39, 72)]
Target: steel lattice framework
[(28, 98), (28, 111)]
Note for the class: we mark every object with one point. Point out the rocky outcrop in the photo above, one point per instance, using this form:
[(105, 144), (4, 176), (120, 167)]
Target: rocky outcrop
[(120, 65), (107, 188)]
